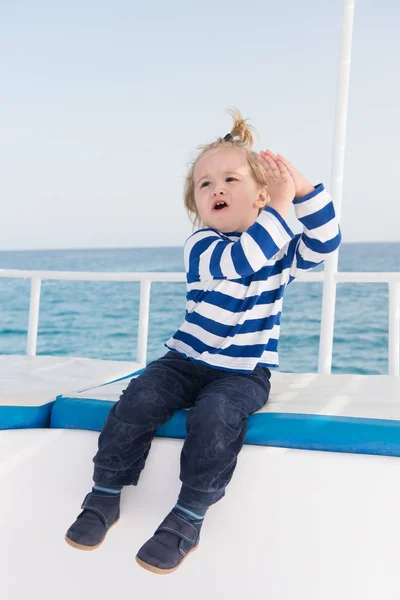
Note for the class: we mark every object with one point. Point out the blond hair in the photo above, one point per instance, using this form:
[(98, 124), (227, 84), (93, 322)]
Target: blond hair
[(240, 136)]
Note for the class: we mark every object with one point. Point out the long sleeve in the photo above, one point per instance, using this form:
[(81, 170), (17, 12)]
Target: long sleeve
[(211, 255), (321, 232)]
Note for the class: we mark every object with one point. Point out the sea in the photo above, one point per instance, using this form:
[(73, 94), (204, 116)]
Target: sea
[(100, 319)]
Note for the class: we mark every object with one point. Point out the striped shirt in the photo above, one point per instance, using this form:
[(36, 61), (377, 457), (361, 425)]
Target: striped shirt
[(236, 283)]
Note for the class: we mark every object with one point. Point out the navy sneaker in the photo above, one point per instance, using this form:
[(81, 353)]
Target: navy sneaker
[(100, 513), (176, 537)]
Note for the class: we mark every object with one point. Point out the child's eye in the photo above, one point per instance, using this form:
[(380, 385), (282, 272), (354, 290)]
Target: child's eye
[(204, 184), (229, 179)]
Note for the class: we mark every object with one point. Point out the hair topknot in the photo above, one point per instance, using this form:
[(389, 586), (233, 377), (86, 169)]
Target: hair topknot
[(241, 132)]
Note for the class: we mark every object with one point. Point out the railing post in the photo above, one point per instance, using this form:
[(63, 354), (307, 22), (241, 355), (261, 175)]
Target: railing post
[(394, 329), (339, 145), (33, 323), (143, 331)]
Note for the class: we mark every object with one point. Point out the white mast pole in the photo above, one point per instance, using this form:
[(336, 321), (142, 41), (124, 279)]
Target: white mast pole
[(336, 189)]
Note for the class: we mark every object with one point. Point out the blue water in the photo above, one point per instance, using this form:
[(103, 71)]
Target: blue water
[(99, 319)]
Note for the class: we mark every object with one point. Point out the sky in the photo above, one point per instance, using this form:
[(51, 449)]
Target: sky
[(103, 106)]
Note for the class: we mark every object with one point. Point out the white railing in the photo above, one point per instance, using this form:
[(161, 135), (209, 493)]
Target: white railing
[(145, 279)]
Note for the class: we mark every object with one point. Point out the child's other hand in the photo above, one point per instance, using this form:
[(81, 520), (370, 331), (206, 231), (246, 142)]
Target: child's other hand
[(303, 186), (280, 184)]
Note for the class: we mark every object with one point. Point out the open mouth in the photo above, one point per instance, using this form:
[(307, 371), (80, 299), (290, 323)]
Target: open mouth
[(220, 205)]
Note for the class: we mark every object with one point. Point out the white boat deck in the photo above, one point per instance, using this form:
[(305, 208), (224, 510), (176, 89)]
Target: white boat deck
[(36, 380), (298, 524), (366, 396), (294, 525), (31, 381)]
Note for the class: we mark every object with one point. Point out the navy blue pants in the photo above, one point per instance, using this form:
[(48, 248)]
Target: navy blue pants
[(220, 403)]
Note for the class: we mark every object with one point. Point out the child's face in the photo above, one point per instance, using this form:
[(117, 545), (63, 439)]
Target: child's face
[(223, 175)]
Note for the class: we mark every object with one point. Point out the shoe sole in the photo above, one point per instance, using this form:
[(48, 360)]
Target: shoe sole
[(158, 571), (88, 548)]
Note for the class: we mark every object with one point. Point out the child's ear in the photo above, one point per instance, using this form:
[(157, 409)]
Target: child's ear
[(263, 199)]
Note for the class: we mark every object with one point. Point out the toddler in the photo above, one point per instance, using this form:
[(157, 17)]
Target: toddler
[(238, 263)]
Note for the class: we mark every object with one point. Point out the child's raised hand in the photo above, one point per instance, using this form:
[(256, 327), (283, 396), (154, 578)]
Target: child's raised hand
[(303, 186), (280, 184)]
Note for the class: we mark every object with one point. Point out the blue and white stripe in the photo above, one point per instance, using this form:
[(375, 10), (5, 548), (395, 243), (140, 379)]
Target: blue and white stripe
[(236, 283)]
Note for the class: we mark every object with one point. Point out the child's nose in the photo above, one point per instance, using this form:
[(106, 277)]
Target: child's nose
[(218, 191)]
